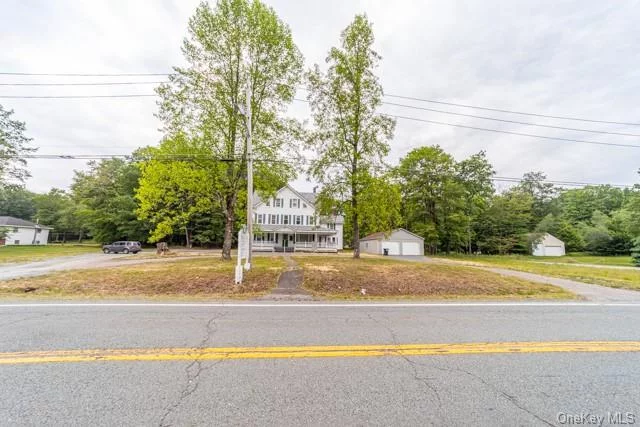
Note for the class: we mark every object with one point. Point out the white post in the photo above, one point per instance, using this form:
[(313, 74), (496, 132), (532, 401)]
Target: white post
[(247, 264)]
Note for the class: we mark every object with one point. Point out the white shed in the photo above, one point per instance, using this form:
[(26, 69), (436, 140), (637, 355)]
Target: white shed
[(22, 232), (548, 246), (398, 242)]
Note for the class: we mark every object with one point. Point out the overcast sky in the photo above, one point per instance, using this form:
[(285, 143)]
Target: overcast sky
[(572, 58)]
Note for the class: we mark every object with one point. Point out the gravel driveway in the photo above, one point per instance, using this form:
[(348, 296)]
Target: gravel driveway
[(97, 260)]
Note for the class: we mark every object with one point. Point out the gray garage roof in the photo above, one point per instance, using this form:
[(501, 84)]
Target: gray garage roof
[(10, 221), (397, 234)]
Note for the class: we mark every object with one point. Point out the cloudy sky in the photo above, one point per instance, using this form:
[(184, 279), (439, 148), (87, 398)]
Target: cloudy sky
[(560, 58)]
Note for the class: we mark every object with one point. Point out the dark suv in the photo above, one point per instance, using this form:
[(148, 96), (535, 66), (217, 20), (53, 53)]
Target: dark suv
[(122, 247)]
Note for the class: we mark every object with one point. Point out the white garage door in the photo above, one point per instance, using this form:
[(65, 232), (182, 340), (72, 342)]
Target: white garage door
[(553, 251), (410, 248), (394, 247)]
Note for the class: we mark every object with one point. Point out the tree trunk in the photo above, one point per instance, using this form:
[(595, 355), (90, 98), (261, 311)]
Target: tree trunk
[(228, 227), (80, 237), (356, 228), (186, 235)]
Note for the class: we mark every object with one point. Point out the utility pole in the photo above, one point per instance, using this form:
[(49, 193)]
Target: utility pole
[(247, 114)]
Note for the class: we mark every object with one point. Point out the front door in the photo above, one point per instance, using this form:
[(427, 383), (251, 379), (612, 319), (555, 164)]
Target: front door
[(285, 241)]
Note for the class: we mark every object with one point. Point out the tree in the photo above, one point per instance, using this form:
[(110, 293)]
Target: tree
[(13, 145), (237, 44), (542, 193), (475, 173), (563, 230), (503, 228), (350, 139), (16, 201), (433, 197), (172, 194), (380, 208), (105, 195)]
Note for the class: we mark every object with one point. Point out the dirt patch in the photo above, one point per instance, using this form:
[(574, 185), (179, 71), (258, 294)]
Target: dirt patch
[(385, 278), (200, 278)]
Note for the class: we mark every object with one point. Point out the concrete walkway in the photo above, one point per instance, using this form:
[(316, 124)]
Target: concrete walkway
[(594, 293), (289, 284)]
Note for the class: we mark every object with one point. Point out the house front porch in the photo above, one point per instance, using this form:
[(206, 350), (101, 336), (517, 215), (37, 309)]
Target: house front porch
[(295, 241)]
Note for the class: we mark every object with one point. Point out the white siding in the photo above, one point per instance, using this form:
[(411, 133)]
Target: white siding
[(411, 248), (24, 236), (394, 247)]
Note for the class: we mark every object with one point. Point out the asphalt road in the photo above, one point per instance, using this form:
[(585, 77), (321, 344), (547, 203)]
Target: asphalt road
[(455, 389)]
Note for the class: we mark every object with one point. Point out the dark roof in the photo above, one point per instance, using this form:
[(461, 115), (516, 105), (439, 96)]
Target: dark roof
[(17, 222), (309, 197)]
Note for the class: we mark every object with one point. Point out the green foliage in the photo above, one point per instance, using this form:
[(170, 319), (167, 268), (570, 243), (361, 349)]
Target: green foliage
[(13, 144), (4, 232), (106, 203), (237, 44), (635, 251), (503, 228), (350, 138), (563, 230), (380, 208), (16, 201), (543, 195)]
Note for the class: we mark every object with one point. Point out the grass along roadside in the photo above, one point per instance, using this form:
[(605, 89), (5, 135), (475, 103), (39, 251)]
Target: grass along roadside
[(621, 261), (611, 277), (199, 278), (343, 278), (11, 253)]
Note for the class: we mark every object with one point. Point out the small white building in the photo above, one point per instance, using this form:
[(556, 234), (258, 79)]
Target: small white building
[(22, 232), (398, 242), (548, 245), (289, 222)]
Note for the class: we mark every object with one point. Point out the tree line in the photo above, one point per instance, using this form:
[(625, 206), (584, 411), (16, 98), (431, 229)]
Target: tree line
[(242, 71)]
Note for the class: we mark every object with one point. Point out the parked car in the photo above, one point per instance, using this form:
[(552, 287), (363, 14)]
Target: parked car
[(124, 247)]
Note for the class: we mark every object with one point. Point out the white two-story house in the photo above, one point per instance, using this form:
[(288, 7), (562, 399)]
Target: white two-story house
[(289, 222)]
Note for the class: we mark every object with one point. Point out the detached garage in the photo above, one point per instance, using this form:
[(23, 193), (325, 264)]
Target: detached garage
[(398, 242), (548, 245)]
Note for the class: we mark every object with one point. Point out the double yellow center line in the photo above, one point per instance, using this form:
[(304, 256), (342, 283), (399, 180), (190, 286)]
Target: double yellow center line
[(299, 352)]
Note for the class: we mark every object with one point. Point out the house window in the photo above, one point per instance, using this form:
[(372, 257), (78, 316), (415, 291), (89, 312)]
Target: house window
[(16, 242), (331, 226), (15, 230), (260, 219), (294, 203), (278, 203), (310, 220), (268, 203), (273, 219), (285, 219), (298, 219), (304, 205)]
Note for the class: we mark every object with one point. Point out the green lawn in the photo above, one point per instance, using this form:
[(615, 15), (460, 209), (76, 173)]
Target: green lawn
[(342, 277), (612, 277), (193, 278), (37, 253), (577, 258)]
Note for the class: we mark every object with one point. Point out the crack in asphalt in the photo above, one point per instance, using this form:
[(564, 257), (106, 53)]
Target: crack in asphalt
[(412, 364), (510, 398), (192, 378)]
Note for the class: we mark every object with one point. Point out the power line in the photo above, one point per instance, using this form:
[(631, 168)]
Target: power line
[(82, 84), (511, 111), (530, 135), (386, 94), (568, 183), (85, 74), (509, 121), (75, 96)]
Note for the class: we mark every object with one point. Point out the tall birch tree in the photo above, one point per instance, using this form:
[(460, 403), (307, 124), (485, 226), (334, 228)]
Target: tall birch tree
[(350, 138)]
